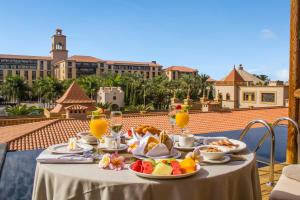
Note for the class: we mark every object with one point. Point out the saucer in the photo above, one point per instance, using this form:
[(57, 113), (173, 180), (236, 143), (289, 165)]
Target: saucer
[(177, 146), (81, 140), (225, 159), (121, 148)]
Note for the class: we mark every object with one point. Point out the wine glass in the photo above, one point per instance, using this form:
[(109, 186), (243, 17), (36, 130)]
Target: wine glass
[(182, 119), (98, 126), (172, 117), (116, 124)]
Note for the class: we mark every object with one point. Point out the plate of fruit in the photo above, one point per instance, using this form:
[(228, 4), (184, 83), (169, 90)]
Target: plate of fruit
[(165, 168)]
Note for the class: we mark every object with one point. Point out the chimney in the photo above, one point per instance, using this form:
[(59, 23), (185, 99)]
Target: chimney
[(241, 67), (154, 62)]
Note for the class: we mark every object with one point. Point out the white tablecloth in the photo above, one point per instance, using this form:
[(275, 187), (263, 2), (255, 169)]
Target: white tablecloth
[(236, 180)]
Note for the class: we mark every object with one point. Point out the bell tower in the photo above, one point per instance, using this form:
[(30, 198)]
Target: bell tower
[(59, 47)]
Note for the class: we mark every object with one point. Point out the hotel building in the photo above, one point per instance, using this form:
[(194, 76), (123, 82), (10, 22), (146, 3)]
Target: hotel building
[(175, 72), (62, 67), (240, 89)]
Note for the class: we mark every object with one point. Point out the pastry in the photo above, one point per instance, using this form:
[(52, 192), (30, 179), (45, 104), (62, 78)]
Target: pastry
[(166, 140), (151, 143)]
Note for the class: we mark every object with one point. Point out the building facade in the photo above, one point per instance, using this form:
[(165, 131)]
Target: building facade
[(175, 72), (235, 92), (59, 65), (112, 95)]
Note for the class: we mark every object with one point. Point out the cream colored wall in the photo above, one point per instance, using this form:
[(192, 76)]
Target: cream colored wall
[(106, 95), (231, 90), (281, 93)]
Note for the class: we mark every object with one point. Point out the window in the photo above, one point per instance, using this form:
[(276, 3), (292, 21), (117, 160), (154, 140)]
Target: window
[(268, 97), (48, 73), (33, 75), (59, 46), (17, 72), (70, 64), (1, 75), (9, 73), (249, 96), (220, 96), (41, 73), (70, 73), (26, 75), (114, 98), (227, 97)]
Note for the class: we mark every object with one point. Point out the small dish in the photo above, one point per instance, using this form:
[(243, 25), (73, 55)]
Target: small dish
[(63, 148), (177, 146), (225, 159), (212, 152), (122, 147)]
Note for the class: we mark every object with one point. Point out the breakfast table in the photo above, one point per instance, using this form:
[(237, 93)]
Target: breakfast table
[(234, 180)]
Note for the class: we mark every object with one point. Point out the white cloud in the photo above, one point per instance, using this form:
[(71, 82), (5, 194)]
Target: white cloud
[(267, 34), (282, 74)]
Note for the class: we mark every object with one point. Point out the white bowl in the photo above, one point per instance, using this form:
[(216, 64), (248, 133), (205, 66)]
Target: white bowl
[(213, 155), (87, 136)]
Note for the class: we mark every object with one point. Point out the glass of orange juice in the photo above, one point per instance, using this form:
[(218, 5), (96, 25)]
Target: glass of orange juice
[(182, 119), (98, 126)]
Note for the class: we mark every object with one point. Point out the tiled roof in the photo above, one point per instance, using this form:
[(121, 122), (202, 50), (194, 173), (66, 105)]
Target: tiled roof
[(76, 107), (10, 56), (9, 133), (248, 77), (74, 94), (180, 69), (118, 62), (59, 131), (234, 76), (79, 58)]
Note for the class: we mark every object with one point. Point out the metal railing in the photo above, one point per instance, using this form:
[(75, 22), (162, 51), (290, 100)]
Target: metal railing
[(269, 133), (296, 127)]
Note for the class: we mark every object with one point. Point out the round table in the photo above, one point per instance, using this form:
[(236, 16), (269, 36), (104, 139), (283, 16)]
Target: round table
[(234, 180)]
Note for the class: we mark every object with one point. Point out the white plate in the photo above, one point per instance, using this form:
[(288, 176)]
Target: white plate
[(177, 146), (241, 144), (122, 148), (176, 154), (165, 176), (63, 148), (83, 141), (224, 160)]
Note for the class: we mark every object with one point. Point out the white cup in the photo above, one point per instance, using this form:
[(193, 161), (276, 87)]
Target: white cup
[(111, 142), (186, 140)]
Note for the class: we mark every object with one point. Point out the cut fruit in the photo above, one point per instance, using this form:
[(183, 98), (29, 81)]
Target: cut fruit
[(162, 169)]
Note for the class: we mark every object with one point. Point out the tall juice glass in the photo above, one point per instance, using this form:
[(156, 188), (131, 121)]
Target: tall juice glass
[(98, 126), (182, 119)]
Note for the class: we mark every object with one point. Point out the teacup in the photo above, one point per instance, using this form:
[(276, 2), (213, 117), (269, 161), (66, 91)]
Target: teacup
[(186, 140), (111, 142)]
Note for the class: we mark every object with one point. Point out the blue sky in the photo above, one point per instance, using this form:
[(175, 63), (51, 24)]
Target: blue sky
[(210, 35)]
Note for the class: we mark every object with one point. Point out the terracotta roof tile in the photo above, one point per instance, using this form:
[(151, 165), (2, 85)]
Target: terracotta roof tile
[(181, 69), (234, 76), (10, 56), (9, 133), (59, 131), (74, 94), (79, 58)]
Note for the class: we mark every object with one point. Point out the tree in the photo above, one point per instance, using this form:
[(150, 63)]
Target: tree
[(15, 89), (263, 77), (90, 84)]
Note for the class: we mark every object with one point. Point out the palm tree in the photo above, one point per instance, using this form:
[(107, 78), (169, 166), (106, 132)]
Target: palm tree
[(90, 84), (15, 89)]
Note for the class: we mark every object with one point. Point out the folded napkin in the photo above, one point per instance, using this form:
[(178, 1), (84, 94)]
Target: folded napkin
[(46, 157), (158, 150)]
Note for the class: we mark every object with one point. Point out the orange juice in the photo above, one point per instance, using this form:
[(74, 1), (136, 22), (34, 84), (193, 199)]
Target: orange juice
[(182, 119), (98, 127)]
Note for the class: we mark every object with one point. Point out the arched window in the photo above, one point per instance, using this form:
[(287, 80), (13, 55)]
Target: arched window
[(227, 97), (220, 96), (59, 46)]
